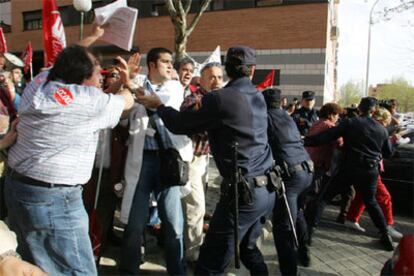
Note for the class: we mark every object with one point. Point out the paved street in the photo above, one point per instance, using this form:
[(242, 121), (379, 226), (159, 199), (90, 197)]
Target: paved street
[(336, 250)]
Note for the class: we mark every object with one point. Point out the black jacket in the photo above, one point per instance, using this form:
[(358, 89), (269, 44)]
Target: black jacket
[(284, 138)]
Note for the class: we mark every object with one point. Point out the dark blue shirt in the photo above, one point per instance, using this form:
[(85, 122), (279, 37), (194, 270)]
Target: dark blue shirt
[(304, 118), (235, 113), (284, 138)]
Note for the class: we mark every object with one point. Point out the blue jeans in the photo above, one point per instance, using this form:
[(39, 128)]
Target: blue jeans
[(218, 247), (171, 215), (51, 225)]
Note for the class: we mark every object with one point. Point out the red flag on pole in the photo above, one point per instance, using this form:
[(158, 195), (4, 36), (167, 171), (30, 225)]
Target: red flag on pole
[(3, 45), (268, 81), (54, 39), (27, 57)]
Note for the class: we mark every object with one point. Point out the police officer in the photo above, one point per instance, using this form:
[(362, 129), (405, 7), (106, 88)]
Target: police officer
[(289, 154), (235, 113), (365, 144), (305, 116)]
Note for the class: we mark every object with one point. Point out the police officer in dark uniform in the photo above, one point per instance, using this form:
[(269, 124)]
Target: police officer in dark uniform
[(305, 116), (236, 113), (297, 172), (365, 144)]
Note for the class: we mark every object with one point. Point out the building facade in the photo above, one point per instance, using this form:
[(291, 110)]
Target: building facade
[(297, 38)]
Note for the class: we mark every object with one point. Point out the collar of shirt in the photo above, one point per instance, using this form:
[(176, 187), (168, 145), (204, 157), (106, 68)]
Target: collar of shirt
[(171, 92)]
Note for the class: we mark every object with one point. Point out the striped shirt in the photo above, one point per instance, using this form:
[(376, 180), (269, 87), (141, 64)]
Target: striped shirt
[(58, 130)]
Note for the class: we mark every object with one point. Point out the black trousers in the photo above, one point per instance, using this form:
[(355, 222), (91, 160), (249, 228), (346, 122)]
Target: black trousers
[(365, 181), (282, 231)]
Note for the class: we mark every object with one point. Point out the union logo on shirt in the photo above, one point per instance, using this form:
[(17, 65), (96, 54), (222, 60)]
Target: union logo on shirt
[(63, 96)]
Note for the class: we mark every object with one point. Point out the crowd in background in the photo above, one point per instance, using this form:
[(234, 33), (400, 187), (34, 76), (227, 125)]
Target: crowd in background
[(83, 124)]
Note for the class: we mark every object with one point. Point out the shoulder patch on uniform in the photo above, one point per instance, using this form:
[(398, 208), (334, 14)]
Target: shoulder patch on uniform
[(63, 96)]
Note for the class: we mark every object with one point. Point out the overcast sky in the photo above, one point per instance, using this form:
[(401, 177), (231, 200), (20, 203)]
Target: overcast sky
[(392, 42)]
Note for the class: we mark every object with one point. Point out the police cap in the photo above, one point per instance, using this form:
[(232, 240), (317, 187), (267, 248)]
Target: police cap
[(243, 54), (308, 95), (272, 97)]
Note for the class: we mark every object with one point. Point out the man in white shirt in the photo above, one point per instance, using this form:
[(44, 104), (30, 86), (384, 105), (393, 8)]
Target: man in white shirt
[(60, 116), (142, 171)]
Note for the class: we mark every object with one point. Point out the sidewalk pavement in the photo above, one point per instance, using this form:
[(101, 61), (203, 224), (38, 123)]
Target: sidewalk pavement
[(336, 249)]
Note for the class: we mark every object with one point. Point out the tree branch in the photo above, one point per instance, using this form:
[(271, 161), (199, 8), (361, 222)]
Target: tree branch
[(188, 6), (197, 17), (171, 9)]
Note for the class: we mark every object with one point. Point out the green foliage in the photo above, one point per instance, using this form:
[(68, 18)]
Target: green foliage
[(350, 93), (401, 90)]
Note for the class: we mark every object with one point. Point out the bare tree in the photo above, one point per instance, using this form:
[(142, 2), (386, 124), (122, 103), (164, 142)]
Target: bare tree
[(389, 12), (178, 10)]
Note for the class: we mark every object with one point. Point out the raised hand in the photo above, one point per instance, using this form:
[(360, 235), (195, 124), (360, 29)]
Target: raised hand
[(133, 65)]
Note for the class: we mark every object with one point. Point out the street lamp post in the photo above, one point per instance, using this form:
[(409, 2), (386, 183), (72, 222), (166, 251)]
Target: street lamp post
[(82, 6), (369, 47)]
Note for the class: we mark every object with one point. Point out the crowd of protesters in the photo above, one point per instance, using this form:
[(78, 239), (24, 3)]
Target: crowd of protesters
[(90, 139)]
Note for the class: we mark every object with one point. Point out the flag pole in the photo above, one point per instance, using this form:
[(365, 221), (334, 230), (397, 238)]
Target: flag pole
[(31, 71)]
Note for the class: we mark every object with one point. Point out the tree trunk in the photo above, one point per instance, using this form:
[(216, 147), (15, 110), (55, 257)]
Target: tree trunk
[(178, 10), (180, 47)]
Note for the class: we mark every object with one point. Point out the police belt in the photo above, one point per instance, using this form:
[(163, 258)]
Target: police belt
[(304, 166)]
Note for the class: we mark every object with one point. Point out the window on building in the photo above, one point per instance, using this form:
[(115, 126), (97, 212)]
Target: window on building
[(32, 20), (71, 17)]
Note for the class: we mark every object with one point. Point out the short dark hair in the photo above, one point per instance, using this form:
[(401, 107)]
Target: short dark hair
[(367, 105), (73, 65), (235, 69), (329, 109), (210, 65), (183, 61), (154, 54)]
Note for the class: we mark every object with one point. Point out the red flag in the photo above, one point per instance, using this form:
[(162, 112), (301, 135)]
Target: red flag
[(268, 81), (27, 57), (54, 39), (3, 45)]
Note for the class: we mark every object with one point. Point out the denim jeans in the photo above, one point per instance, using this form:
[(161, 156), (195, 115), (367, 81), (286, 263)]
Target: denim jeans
[(51, 225), (171, 215), (218, 247)]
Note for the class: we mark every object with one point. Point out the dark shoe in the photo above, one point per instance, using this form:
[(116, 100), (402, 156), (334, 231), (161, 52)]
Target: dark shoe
[(304, 256), (340, 219), (311, 230), (208, 216), (386, 240)]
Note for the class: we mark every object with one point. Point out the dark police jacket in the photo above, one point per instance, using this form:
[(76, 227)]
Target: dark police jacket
[(235, 113), (284, 138), (364, 140), (309, 116)]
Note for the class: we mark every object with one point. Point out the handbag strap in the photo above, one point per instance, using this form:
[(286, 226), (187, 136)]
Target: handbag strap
[(153, 124)]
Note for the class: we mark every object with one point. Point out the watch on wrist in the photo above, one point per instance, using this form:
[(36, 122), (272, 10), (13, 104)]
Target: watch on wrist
[(9, 253)]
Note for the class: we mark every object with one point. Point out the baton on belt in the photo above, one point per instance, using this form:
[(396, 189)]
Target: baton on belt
[(234, 181)]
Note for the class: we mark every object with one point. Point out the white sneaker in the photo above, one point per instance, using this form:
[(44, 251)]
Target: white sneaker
[(355, 226), (394, 233)]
